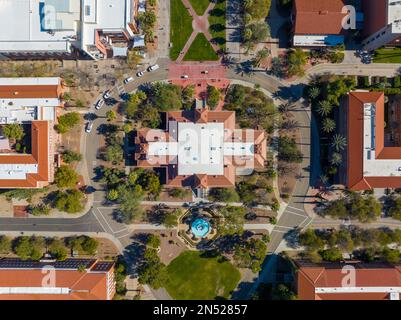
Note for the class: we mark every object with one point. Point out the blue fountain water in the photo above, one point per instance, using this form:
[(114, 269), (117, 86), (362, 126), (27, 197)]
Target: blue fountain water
[(200, 227)]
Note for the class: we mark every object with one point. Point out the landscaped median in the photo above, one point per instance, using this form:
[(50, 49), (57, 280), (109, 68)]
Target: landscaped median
[(217, 23)]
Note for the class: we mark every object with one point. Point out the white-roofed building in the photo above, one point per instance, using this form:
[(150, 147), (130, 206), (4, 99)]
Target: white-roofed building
[(31, 102), (66, 26), (382, 23)]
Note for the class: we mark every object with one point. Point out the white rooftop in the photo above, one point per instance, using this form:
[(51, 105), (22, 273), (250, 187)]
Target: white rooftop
[(200, 148), (34, 290), (25, 21), (38, 81), (53, 25), (16, 171), (107, 15), (373, 167), (318, 40), (394, 15)]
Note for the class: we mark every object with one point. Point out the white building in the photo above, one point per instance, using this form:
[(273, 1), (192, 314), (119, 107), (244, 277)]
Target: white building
[(382, 23), (97, 27)]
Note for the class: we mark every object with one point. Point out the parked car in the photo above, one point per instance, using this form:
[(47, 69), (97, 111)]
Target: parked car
[(107, 94), (99, 104), (89, 126), (185, 76), (129, 79), (140, 74), (153, 68)]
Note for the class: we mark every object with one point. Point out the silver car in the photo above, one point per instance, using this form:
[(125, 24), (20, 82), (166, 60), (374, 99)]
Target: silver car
[(89, 127), (99, 104)]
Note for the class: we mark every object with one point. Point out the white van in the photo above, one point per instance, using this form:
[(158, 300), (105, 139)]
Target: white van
[(153, 68)]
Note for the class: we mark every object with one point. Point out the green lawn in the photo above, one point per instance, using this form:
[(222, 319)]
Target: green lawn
[(387, 55), (199, 6), (217, 23), (201, 50), (192, 277), (180, 27)]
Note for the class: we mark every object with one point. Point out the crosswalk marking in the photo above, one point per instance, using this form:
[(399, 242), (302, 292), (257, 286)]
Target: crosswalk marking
[(295, 208), (294, 213)]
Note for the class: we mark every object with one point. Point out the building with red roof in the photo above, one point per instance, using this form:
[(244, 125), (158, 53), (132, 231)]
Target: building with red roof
[(353, 281), (71, 279), (201, 149), (318, 23), (373, 159), (33, 103)]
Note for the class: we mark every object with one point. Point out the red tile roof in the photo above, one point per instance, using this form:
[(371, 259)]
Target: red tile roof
[(319, 17), (355, 176), (39, 156), (331, 276), (90, 285)]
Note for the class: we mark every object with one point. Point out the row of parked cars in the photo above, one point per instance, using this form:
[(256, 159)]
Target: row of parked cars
[(107, 94)]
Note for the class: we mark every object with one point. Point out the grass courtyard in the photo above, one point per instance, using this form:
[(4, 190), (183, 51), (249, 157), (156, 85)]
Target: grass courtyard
[(387, 55), (199, 6), (180, 27), (201, 50), (193, 277)]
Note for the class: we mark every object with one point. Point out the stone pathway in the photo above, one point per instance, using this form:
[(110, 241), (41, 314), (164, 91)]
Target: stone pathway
[(200, 24)]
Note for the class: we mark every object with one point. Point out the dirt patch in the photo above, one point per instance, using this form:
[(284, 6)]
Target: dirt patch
[(164, 196), (20, 211), (71, 140), (171, 246), (106, 249)]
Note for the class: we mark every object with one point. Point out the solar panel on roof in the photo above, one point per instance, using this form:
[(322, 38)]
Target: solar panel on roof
[(103, 266), (15, 263)]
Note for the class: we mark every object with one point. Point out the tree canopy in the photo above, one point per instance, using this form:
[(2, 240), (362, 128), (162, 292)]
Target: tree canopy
[(66, 177), (13, 131)]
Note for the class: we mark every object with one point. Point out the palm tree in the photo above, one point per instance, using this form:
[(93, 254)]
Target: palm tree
[(290, 125), (314, 93), (285, 109), (329, 125), (260, 55), (339, 142), (324, 179), (336, 159), (324, 108)]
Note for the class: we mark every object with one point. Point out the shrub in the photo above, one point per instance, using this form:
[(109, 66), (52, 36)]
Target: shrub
[(397, 82), (39, 210), (66, 177), (70, 201), (71, 156)]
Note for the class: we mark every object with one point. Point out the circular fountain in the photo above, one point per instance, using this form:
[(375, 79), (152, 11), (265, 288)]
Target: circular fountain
[(200, 227)]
